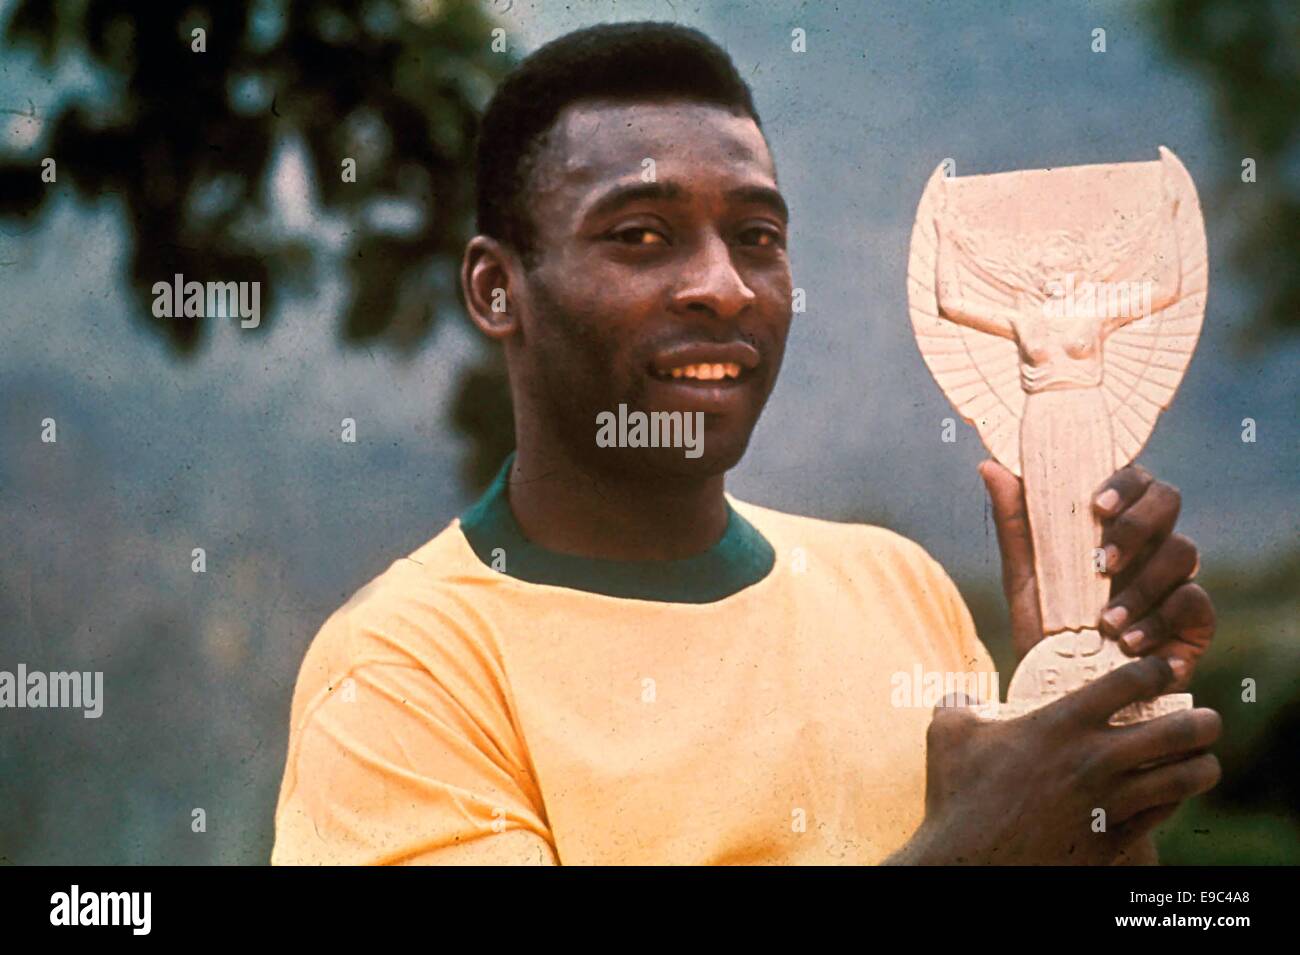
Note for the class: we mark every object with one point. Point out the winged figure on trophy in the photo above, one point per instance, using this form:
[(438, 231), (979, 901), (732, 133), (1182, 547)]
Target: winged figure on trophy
[(1058, 310)]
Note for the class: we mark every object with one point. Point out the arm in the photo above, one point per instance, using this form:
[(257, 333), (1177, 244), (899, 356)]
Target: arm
[(1164, 292), (1164, 276), (988, 318)]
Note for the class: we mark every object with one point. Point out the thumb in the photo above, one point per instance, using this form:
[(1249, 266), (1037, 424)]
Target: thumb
[(1011, 518)]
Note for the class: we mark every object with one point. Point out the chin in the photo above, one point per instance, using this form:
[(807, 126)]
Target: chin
[(717, 454), (671, 462)]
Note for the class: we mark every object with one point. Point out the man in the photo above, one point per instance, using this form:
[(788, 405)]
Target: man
[(608, 659)]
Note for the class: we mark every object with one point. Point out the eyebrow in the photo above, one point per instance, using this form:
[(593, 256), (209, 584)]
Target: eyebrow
[(761, 196), (619, 196)]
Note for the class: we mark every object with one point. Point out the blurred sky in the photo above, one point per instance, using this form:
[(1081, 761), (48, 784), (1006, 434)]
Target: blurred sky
[(238, 451)]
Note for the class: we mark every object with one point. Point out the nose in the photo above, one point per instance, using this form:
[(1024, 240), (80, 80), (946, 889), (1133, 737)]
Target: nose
[(710, 282)]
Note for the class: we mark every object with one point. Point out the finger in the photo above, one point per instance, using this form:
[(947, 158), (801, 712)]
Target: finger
[(1177, 735), (1163, 571), (1120, 490), (1144, 636), (1149, 518), (950, 728), (1011, 519), (1172, 782), (1180, 629), (1122, 578), (1186, 615), (1095, 702)]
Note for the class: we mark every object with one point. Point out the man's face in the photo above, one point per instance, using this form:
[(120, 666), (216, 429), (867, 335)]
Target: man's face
[(661, 262)]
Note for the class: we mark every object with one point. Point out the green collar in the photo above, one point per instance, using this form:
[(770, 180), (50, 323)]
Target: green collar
[(740, 559)]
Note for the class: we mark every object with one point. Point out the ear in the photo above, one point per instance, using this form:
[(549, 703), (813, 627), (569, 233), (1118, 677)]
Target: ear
[(486, 272)]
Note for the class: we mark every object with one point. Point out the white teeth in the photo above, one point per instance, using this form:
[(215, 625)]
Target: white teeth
[(707, 372)]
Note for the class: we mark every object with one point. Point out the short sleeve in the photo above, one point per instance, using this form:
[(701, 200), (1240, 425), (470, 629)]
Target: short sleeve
[(402, 751)]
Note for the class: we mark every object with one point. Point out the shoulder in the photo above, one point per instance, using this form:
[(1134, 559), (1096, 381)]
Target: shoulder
[(837, 541), (430, 588), (879, 567), (886, 574), (417, 614), (884, 571)]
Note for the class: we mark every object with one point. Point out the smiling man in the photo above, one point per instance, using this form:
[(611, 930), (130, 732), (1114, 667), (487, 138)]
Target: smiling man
[(609, 660)]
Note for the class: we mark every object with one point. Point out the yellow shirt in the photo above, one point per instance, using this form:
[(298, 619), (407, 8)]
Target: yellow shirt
[(451, 713)]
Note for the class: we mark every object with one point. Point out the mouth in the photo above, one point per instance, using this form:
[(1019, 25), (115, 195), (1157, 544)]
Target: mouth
[(714, 378), (706, 365), (702, 372)]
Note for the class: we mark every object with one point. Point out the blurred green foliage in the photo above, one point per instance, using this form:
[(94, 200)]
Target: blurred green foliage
[(186, 140), (1249, 52)]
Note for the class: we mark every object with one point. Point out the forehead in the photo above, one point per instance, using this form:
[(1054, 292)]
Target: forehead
[(595, 142)]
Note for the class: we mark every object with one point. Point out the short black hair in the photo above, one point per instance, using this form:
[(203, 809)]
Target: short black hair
[(642, 60)]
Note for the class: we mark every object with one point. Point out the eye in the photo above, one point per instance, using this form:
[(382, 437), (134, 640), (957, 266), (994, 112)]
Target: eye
[(638, 235), (763, 237)]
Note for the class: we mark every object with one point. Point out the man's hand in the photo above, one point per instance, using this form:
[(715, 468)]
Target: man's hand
[(1026, 791), (1154, 607)]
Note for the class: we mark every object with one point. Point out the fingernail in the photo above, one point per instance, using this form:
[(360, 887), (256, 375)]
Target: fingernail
[(1112, 556), (1108, 500), (1179, 667), (1114, 617), (1132, 639)]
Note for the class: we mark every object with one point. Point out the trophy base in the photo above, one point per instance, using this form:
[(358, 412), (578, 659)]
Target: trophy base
[(1062, 663)]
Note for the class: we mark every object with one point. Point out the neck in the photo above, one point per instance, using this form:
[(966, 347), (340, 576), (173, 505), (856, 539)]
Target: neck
[(566, 507)]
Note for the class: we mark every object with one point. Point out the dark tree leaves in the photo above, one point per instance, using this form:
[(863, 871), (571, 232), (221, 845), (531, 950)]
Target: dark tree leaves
[(188, 143)]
